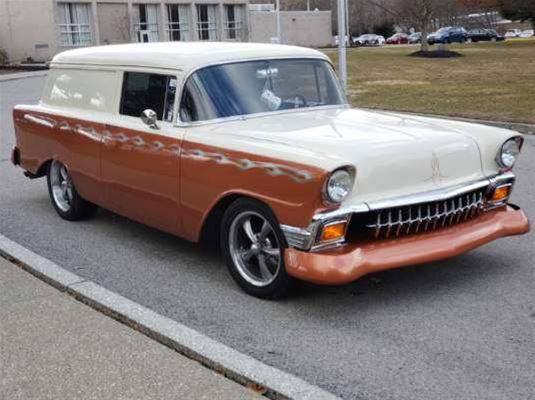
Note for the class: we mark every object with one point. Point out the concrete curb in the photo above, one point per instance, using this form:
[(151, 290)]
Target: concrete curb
[(22, 75), (273, 383)]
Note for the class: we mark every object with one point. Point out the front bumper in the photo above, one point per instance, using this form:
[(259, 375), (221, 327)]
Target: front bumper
[(347, 264)]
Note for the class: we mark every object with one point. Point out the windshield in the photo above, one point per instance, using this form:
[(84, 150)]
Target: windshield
[(259, 86), (443, 30)]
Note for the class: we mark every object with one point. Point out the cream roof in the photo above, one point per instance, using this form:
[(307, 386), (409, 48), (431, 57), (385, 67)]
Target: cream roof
[(179, 55)]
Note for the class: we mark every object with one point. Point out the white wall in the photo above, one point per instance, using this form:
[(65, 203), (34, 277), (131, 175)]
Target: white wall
[(27, 29), (301, 28)]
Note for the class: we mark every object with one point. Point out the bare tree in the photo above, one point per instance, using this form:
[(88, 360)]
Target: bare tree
[(419, 14), (479, 13)]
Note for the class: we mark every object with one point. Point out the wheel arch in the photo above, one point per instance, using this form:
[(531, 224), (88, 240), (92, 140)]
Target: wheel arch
[(211, 224), (42, 170)]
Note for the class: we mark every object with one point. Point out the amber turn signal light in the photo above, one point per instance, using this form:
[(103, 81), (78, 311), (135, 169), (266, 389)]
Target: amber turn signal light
[(333, 231), (501, 193)]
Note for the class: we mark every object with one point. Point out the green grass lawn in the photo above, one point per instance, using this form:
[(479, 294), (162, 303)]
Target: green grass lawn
[(494, 81)]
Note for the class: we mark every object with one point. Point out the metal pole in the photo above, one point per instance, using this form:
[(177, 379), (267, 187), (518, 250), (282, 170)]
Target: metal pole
[(347, 19), (279, 38), (342, 66), (308, 5)]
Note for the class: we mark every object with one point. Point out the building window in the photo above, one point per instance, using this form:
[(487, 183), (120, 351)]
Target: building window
[(146, 26), (234, 21), (178, 22), (74, 24), (206, 21)]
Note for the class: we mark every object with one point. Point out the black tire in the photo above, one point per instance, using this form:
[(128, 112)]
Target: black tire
[(78, 209), (282, 282)]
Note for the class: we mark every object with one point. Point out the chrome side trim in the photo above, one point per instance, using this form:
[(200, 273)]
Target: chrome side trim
[(39, 121), (297, 237)]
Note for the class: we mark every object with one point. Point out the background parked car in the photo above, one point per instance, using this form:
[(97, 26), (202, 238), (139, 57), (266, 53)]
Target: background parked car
[(448, 35), (415, 38), (398, 38), (481, 35), (527, 34), (513, 33), (369, 39)]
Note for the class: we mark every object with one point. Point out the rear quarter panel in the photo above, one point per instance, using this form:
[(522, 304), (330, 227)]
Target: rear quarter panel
[(43, 135)]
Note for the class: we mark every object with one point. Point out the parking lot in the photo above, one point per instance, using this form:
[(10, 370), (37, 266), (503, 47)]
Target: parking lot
[(462, 328)]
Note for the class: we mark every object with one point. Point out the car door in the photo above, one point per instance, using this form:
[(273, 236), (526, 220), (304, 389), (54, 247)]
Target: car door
[(140, 163)]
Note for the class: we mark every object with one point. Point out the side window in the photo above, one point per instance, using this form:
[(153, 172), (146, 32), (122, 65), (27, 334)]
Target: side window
[(143, 91)]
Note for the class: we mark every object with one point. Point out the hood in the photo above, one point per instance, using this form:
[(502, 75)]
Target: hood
[(393, 154)]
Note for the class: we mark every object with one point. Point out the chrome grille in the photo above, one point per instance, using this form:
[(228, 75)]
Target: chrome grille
[(424, 217)]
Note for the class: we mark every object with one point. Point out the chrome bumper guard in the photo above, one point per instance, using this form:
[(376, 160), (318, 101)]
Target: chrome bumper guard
[(450, 205)]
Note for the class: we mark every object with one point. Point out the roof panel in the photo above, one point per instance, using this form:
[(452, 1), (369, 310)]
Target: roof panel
[(179, 55)]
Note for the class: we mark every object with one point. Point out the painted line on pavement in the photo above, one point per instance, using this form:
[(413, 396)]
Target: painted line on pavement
[(241, 368)]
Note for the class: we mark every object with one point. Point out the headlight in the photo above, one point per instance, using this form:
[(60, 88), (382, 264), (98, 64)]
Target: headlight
[(339, 185), (509, 152)]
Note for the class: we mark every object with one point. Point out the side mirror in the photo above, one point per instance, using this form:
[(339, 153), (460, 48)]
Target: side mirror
[(149, 117)]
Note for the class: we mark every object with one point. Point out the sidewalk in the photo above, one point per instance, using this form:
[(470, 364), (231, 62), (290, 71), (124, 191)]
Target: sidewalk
[(54, 347)]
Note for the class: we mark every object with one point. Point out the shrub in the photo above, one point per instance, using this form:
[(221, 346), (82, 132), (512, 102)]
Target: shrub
[(386, 29), (3, 57)]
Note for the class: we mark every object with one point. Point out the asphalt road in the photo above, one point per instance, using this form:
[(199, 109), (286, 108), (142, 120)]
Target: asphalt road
[(463, 328)]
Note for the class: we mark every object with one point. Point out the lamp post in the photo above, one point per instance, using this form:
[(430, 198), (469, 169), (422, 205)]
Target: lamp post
[(279, 38), (342, 65)]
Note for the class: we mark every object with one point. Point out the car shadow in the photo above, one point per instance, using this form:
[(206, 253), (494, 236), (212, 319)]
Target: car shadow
[(424, 281)]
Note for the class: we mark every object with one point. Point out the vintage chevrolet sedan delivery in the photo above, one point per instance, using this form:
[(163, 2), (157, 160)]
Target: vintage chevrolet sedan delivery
[(258, 144)]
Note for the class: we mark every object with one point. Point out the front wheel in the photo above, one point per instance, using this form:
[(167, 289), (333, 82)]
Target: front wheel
[(253, 246), (66, 201)]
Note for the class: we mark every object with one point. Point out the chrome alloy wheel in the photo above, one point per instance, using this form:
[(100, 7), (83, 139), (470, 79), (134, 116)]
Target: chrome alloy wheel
[(62, 186), (254, 248)]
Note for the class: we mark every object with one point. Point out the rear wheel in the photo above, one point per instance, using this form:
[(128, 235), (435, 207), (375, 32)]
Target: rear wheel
[(253, 246), (66, 201)]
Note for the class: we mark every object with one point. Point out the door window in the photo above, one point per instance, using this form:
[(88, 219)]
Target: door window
[(142, 91)]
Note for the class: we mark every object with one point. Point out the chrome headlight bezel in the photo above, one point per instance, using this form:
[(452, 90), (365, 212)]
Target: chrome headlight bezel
[(339, 185), (509, 152)]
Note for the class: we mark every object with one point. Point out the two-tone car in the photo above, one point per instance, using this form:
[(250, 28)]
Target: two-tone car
[(256, 146)]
